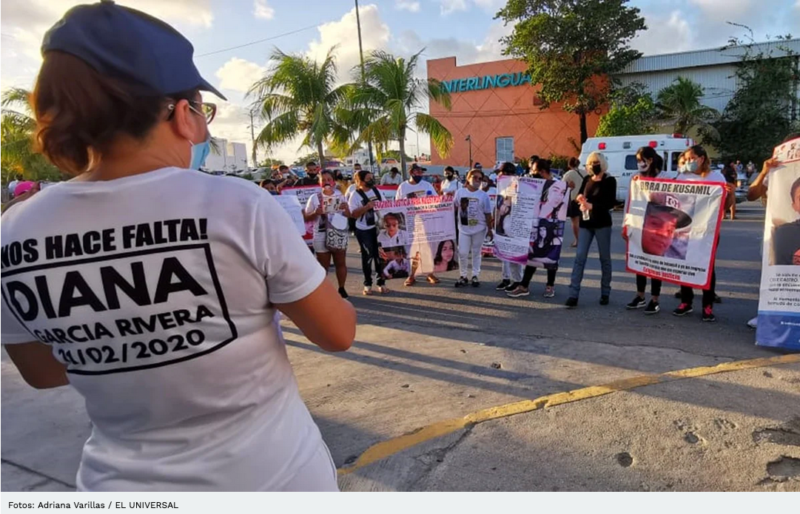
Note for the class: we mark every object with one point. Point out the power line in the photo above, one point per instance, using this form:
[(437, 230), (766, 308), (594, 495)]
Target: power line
[(259, 41)]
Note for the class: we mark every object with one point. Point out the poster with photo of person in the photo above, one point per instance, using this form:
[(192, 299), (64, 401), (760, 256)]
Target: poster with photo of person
[(425, 230), (547, 234), (517, 209), (672, 229), (779, 298)]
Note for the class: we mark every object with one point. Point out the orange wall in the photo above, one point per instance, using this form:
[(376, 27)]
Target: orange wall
[(501, 112)]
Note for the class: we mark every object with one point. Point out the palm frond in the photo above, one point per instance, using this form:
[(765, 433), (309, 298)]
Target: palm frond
[(441, 137)]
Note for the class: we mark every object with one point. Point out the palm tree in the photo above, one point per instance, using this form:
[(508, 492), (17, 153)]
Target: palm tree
[(17, 128), (387, 103), (679, 104), (298, 97)]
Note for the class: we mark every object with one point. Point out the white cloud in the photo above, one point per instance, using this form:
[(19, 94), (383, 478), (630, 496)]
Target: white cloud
[(409, 5), (344, 35), (261, 9), (451, 6), (665, 34), (238, 74), (723, 10)]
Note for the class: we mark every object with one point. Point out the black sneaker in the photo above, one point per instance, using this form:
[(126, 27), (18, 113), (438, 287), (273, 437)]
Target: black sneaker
[(683, 309), (571, 303), (461, 282), (637, 303), (476, 282), (503, 285), (604, 300), (343, 293), (652, 308), (708, 315), (512, 286)]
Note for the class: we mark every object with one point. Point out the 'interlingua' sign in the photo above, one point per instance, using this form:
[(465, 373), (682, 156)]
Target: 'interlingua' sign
[(486, 82)]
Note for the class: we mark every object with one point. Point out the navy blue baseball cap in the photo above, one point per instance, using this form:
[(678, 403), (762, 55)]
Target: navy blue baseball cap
[(129, 45)]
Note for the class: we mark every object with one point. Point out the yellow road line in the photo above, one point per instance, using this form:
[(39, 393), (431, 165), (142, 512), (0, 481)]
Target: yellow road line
[(395, 445)]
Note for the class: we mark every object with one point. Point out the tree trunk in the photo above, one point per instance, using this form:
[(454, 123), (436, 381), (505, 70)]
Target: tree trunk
[(402, 142), (584, 130), (321, 154)]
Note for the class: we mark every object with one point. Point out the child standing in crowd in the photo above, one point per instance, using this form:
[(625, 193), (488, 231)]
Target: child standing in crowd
[(320, 208), (697, 167), (650, 164), (596, 197), (474, 215)]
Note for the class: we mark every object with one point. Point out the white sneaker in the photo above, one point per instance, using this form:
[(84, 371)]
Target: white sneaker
[(753, 323)]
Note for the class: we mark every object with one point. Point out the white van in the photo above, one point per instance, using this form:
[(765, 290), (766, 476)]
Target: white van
[(620, 152)]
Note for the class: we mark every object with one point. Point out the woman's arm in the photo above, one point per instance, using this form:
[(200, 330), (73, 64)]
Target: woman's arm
[(37, 365), (324, 317)]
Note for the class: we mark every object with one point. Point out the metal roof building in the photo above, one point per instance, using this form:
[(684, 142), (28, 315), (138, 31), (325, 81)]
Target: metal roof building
[(714, 69)]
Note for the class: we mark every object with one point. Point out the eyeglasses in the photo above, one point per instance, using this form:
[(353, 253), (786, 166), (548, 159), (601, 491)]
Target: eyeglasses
[(205, 109)]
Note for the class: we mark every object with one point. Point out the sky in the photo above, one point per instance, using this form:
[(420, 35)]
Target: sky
[(218, 29)]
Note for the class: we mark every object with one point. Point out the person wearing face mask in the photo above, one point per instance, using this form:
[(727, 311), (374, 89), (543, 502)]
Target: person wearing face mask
[(697, 167), (312, 170), (512, 273), (451, 183), (392, 178), (650, 164), (269, 185), (209, 403), (542, 170), (320, 208), (474, 212), (416, 187), (362, 209), (596, 197)]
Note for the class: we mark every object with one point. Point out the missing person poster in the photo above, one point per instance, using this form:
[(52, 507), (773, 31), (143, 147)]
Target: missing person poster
[(417, 235), (517, 209), (387, 192), (303, 193), (779, 298), (547, 234), (672, 229)]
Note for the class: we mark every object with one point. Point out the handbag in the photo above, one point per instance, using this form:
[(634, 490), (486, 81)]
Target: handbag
[(336, 233)]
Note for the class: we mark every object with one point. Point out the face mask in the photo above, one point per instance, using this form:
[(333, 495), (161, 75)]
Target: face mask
[(199, 153), (475, 183), (370, 183), (595, 169), (448, 176), (643, 166), (692, 167), (415, 179)]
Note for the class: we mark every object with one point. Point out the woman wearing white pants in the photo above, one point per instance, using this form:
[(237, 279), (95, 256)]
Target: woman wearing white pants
[(474, 218)]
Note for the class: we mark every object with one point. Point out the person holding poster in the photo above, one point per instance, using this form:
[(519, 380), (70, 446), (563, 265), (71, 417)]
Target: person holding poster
[(779, 299), (512, 272), (697, 168), (650, 164), (597, 196), (416, 187), (362, 208), (474, 215), (320, 209)]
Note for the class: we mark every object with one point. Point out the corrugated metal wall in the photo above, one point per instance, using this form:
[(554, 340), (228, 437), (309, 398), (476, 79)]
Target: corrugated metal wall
[(719, 82)]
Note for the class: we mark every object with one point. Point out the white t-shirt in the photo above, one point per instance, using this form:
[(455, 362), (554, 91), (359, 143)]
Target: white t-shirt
[(356, 202), (419, 190), (387, 241), (161, 301), (332, 204), (451, 186), (349, 192), (713, 176), (472, 220), (388, 180)]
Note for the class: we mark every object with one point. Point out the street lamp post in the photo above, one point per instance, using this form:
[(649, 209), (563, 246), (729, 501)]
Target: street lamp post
[(469, 140)]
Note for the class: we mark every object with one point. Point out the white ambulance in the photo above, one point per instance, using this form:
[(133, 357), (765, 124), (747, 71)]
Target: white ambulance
[(620, 152)]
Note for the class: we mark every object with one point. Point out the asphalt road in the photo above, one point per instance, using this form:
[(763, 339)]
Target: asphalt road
[(463, 389)]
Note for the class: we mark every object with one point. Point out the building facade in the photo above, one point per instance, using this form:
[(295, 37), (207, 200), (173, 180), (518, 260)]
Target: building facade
[(496, 109), (228, 157)]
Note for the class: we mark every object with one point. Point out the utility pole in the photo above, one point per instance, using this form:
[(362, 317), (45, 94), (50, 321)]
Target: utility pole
[(363, 80), (253, 138)]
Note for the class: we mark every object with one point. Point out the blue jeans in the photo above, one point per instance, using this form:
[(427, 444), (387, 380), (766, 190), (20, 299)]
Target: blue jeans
[(585, 237)]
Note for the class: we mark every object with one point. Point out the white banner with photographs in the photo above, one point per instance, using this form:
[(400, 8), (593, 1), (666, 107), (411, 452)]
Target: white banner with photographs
[(672, 229), (417, 235), (487, 248), (779, 298), (547, 235), (303, 193), (517, 209)]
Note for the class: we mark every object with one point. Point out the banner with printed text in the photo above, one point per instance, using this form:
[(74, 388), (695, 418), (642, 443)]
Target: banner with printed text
[(417, 235), (779, 298), (672, 229), (303, 193)]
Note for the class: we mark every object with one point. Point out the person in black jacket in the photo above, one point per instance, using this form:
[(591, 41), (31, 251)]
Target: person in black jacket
[(596, 198)]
